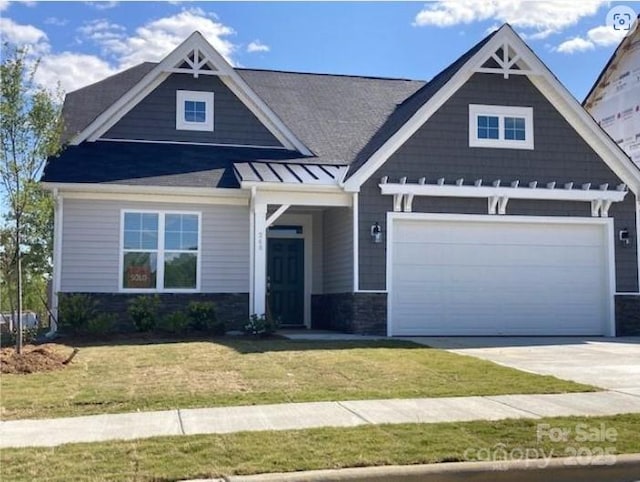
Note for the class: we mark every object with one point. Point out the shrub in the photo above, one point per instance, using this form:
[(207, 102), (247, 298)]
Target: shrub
[(202, 316), (143, 311), (75, 311), (176, 322), (8, 338), (262, 326), (101, 324)]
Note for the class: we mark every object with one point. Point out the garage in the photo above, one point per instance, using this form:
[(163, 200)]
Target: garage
[(464, 275)]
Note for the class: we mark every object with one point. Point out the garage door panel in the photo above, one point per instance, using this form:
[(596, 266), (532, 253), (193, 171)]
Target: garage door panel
[(524, 282)]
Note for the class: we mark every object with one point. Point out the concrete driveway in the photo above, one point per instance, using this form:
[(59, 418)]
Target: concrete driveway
[(611, 363)]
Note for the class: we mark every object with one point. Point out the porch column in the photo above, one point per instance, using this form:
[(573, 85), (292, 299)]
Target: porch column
[(260, 259)]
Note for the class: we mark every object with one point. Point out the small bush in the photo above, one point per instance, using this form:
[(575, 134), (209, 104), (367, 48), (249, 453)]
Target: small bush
[(176, 322), (262, 326), (9, 338), (202, 316), (101, 324), (75, 311), (143, 311)]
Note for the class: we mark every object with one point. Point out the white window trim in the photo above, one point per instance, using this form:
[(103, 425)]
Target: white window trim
[(160, 251), (500, 112), (195, 96)]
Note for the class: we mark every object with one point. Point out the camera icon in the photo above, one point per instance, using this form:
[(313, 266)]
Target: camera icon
[(622, 19)]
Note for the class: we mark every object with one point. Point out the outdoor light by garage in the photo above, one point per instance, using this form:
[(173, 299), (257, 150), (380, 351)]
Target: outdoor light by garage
[(624, 237), (376, 233)]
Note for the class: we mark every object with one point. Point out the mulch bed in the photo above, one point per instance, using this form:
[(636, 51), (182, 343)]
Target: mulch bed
[(33, 359)]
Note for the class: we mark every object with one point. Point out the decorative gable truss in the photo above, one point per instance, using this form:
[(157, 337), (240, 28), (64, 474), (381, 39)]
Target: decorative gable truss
[(197, 57), (498, 196), (506, 61)]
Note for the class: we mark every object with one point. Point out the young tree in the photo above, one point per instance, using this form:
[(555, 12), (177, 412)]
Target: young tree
[(30, 131)]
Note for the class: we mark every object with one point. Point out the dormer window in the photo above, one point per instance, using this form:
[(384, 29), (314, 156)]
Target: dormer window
[(500, 126), (194, 110)]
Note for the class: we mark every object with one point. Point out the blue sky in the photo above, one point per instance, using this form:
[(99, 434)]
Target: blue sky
[(82, 42)]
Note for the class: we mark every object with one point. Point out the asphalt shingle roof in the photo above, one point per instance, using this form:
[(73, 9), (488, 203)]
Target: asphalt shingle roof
[(342, 119)]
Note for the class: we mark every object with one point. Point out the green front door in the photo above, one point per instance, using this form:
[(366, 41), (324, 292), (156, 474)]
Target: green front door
[(285, 279)]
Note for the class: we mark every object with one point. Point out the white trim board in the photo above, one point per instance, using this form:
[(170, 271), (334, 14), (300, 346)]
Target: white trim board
[(543, 79), (161, 72), (606, 223)]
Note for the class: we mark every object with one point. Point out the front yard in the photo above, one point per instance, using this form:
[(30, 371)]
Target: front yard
[(144, 374)]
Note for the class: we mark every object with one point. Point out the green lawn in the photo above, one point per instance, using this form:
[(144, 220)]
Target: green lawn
[(202, 456), (142, 374)]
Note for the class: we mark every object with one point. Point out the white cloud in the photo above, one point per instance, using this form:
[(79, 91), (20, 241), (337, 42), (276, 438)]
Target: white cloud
[(4, 4), (602, 36), (23, 35), (150, 42), (72, 70), (576, 44), (154, 40), (257, 46), (56, 21), (542, 17), (103, 5)]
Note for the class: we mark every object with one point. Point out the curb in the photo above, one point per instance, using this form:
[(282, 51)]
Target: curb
[(625, 469)]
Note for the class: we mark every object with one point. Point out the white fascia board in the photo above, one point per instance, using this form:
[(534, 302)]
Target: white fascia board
[(160, 72), (508, 192), (121, 192), (300, 198), (290, 187)]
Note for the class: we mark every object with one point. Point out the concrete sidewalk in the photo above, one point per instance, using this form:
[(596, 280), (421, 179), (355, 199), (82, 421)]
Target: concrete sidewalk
[(287, 416)]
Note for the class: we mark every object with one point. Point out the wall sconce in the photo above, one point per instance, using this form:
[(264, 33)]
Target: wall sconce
[(624, 237), (376, 233)]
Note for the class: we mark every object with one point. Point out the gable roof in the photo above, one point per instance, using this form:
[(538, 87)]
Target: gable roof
[(195, 56), (506, 53), (362, 120)]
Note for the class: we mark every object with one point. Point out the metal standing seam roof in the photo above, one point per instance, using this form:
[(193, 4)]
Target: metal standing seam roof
[(289, 173)]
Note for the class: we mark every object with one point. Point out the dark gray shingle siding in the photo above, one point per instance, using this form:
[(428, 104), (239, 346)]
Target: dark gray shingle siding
[(154, 118), (441, 149)]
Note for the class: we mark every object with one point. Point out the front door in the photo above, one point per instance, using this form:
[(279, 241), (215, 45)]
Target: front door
[(285, 280)]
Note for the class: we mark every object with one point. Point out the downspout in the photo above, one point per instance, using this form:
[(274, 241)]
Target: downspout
[(57, 260)]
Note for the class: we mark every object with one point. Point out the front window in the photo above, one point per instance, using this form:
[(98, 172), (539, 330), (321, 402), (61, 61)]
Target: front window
[(160, 251), (194, 110), (500, 126)]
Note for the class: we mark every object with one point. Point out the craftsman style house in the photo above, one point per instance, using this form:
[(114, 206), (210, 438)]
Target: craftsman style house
[(486, 201)]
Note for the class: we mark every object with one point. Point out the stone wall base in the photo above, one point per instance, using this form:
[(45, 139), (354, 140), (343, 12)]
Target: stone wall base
[(232, 308), (627, 315), (358, 313)]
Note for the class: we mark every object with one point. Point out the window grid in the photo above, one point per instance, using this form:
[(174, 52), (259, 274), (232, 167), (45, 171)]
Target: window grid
[(195, 111), (162, 256)]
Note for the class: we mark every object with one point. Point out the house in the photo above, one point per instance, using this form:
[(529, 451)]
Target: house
[(614, 102), (486, 201)]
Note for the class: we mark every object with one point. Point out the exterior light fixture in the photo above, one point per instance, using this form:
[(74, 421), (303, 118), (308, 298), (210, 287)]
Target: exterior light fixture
[(376, 233), (624, 237)]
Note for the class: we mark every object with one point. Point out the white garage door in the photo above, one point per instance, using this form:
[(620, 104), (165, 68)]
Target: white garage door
[(509, 277)]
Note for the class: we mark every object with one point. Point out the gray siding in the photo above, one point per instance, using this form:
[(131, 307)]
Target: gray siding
[(440, 148), (338, 250), (154, 118), (91, 244)]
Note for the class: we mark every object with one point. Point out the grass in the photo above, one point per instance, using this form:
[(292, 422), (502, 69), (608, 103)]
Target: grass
[(138, 374), (203, 456)]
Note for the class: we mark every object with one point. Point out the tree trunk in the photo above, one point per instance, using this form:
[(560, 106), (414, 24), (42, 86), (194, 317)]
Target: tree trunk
[(19, 258)]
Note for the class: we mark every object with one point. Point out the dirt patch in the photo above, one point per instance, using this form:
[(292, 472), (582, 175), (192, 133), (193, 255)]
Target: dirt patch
[(34, 359)]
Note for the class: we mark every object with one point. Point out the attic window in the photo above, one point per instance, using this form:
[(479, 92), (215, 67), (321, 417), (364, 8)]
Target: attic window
[(500, 126), (194, 110)]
